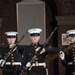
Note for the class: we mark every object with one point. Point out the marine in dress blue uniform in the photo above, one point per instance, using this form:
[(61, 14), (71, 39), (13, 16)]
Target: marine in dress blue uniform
[(68, 59), (13, 62), (38, 67)]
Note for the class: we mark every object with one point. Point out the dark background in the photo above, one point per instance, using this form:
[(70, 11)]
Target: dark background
[(54, 8)]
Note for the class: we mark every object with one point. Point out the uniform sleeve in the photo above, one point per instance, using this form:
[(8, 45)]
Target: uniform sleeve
[(21, 48), (64, 62), (51, 50)]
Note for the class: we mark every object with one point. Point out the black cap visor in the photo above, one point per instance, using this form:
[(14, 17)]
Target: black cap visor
[(35, 34), (72, 35), (11, 36)]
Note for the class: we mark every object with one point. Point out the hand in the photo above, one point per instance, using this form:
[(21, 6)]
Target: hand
[(62, 55), (2, 62), (28, 64)]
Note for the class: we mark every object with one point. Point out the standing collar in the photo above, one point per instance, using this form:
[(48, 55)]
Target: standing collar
[(35, 44)]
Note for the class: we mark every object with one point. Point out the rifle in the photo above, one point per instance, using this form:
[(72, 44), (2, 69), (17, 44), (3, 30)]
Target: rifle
[(40, 49), (53, 56), (50, 36)]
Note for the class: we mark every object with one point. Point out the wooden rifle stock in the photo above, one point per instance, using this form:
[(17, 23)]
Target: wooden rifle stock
[(53, 56)]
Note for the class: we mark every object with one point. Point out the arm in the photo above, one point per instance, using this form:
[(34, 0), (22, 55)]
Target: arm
[(51, 50)]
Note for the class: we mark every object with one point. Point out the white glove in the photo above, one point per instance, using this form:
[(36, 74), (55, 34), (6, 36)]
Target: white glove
[(62, 55), (2, 62), (28, 64)]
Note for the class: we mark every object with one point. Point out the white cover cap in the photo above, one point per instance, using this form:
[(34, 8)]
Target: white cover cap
[(11, 33), (34, 30), (71, 32)]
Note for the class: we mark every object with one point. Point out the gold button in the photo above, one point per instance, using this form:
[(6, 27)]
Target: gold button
[(11, 54), (74, 60), (73, 54), (73, 57), (36, 58), (12, 60), (12, 57), (73, 51)]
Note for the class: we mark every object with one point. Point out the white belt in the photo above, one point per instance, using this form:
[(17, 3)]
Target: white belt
[(14, 63), (73, 73), (70, 63), (39, 64)]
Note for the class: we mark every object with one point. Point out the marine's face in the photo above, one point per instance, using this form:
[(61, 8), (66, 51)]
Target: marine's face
[(72, 39), (35, 39), (11, 40)]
